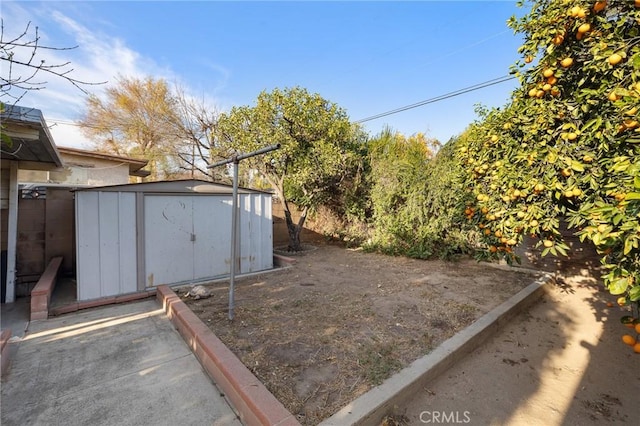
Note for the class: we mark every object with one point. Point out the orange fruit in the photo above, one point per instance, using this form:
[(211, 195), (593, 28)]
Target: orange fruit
[(636, 347), (493, 249), (622, 301), (610, 304), (614, 59), (566, 172), (528, 59), (547, 72), (533, 93), (566, 62), (630, 124), (577, 192), (557, 40), (637, 328), (613, 97), (629, 339), (547, 243), (584, 28), (637, 3), (552, 80), (599, 6)]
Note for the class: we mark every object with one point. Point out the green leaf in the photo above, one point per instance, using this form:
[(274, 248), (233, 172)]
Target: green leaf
[(634, 293), (618, 286), (632, 196), (628, 246), (577, 166)]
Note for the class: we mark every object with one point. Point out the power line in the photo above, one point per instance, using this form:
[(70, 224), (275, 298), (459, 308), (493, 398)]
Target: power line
[(441, 97), (397, 110)]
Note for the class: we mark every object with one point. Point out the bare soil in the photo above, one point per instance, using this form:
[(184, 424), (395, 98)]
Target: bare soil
[(340, 321), (560, 362)]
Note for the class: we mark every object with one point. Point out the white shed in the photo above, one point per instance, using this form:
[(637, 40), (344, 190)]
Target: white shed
[(134, 237)]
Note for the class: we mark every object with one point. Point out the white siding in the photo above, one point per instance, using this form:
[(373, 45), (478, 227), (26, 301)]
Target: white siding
[(168, 246), (212, 227), (256, 240), (106, 245), (188, 238), (184, 238)]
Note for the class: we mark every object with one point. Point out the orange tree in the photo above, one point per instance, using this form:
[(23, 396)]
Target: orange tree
[(566, 148)]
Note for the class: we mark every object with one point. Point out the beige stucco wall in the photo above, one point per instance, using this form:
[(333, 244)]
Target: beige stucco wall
[(80, 170)]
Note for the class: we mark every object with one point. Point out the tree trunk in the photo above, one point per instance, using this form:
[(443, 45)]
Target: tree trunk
[(294, 229)]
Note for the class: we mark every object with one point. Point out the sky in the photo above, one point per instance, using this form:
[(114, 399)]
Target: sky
[(367, 57)]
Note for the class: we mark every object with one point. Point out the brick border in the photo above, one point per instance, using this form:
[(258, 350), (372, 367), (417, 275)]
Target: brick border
[(250, 398), (281, 261), (5, 335), (41, 293), (109, 300)]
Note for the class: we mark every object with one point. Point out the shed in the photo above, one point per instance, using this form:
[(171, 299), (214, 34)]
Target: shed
[(137, 236)]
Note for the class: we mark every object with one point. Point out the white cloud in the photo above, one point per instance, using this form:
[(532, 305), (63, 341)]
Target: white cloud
[(98, 58)]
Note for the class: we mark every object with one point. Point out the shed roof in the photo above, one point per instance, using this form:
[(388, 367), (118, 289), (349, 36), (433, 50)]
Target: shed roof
[(183, 186)]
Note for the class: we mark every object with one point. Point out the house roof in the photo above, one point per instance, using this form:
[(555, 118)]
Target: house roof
[(31, 142), (135, 165), (182, 186)]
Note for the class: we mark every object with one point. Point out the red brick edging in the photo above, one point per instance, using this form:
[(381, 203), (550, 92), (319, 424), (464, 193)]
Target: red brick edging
[(109, 300), (251, 399), (5, 335), (41, 293)]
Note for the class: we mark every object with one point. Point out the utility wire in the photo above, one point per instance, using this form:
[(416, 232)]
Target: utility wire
[(401, 109), (440, 98)]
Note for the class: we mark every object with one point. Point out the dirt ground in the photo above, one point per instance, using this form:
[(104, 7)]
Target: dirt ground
[(561, 362), (340, 321)]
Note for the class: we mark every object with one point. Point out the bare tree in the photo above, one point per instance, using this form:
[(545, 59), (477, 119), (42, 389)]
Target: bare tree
[(25, 71), (195, 128)]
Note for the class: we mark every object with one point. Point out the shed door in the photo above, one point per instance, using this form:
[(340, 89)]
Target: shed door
[(212, 227), (186, 237)]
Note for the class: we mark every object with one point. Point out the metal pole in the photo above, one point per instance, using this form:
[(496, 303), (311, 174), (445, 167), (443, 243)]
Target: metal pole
[(234, 216), (234, 239)]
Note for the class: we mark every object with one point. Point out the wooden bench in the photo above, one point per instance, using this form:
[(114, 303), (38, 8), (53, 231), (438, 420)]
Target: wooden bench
[(41, 293)]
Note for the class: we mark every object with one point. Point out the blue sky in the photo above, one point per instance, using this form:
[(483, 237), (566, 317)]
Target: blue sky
[(367, 57)]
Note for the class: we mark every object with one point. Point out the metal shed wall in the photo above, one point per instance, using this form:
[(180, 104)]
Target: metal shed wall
[(129, 241), (105, 244)]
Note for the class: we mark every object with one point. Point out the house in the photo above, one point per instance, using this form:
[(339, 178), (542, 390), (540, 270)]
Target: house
[(45, 175), (46, 224), (31, 147), (88, 168)]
